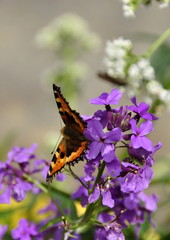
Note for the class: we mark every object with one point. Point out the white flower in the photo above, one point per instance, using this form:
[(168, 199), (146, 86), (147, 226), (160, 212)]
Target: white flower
[(164, 4), (128, 11), (113, 51), (149, 73), (116, 57), (123, 43), (154, 88), (143, 63), (134, 72), (141, 70), (128, 8)]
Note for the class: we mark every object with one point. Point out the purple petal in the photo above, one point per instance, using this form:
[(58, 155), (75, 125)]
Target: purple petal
[(136, 141), (108, 152), (101, 100), (114, 96), (131, 201), (86, 117), (105, 217), (143, 142), (3, 229), (146, 143), (113, 166), (150, 202), (95, 130), (145, 128), (20, 189), (130, 184), (133, 100), (113, 136), (61, 177), (107, 199), (94, 150), (5, 196), (134, 127), (143, 108), (149, 116), (94, 196), (147, 175), (24, 230), (89, 170), (21, 154), (44, 171)]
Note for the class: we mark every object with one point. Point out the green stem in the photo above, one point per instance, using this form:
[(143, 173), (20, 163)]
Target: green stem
[(100, 172), (90, 208), (157, 43), (88, 214)]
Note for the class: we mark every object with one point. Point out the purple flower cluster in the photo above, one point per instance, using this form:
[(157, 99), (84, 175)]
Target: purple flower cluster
[(119, 164), (20, 164), (120, 179)]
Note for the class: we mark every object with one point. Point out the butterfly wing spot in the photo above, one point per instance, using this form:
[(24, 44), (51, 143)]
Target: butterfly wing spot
[(62, 155), (58, 150), (58, 103)]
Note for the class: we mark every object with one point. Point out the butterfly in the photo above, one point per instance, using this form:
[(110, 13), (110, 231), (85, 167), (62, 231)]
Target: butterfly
[(73, 144)]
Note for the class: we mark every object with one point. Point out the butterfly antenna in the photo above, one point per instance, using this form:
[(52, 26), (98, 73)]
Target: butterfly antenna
[(55, 147)]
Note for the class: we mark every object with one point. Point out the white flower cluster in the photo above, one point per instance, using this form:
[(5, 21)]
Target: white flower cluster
[(164, 4), (139, 71), (157, 91), (68, 30), (121, 63), (116, 57), (129, 7)]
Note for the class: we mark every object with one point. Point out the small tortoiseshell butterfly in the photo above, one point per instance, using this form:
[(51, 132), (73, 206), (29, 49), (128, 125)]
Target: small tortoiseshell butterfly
[(73, 144)]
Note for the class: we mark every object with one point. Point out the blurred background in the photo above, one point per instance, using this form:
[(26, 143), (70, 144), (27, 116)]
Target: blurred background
[(28, 112)]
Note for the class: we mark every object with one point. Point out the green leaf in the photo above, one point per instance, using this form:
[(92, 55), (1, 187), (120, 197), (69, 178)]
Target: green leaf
[(65, 200), (160, 60), (51, 223)]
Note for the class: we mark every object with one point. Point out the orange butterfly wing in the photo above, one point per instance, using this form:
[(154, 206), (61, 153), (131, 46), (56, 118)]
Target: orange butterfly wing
[(73, 144)]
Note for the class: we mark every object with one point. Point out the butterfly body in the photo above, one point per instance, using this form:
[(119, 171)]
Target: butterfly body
[(73, 144)]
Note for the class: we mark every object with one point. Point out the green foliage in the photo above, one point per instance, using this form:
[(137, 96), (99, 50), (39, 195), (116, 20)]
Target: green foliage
[(161, 62)]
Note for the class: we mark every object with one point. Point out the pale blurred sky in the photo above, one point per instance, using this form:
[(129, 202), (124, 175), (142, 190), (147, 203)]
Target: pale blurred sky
[(25, 105)]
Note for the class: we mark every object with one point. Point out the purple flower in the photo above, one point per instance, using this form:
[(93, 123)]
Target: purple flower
[(105, 193), (3, 230), (25, 230), (131, 201), (120, 118), (20, 189), (111, 230), (21, 154), (138, 138), (89, 170), (134, 178), (113, 165), (149, 202), (16, 189), (142, 109), (5, 196), (12, 177), (101, 142), (107, 99)]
